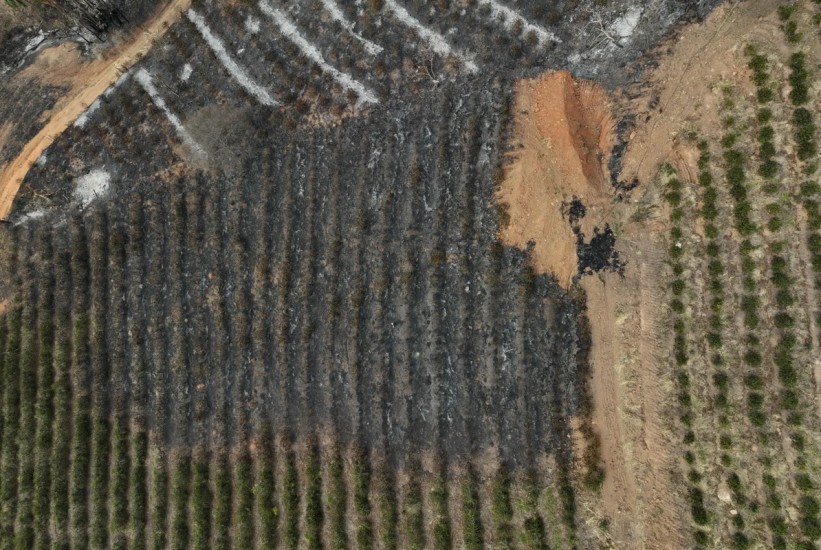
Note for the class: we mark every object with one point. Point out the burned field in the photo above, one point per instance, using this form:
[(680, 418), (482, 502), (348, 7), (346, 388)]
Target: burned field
[(350, 301), (255, 294)]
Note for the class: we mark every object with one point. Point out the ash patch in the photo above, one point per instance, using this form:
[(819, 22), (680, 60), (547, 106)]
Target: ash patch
[(600, 253), (573, 211)]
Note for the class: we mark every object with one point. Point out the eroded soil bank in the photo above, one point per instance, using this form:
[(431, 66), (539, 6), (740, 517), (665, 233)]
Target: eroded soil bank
[(562, 135)]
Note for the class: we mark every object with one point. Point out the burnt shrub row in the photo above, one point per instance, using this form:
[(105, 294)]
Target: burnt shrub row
[(698, 509)]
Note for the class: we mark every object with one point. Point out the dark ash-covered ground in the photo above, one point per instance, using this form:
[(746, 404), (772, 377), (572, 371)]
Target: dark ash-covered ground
[(322, 268)]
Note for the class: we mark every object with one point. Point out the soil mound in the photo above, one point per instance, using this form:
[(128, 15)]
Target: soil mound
[(562, 138)]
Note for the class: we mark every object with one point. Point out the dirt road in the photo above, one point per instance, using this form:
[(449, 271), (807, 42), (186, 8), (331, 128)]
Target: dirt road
[(92, 80)]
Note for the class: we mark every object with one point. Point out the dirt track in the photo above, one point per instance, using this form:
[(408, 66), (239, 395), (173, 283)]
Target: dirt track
[(92, 80)]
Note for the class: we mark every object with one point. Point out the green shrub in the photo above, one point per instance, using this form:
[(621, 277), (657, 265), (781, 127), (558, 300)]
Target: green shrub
[(755, 400), (266, 507), (415, 524), (200, 506), (697, 509), (768, 169), (471, 517), (764, 95), (752, 358), (533, 535), (180, 489), (797, 440), (810, 188), (441, 527), (710, 231), (810, 527), (290, 490), (786, 11), (783, 320), (803, 482), (754, 381), (389, 517), (728, 140), (787, 375), (715, 268), (791, 30), (740, 540), (673, 197), (313, 502)]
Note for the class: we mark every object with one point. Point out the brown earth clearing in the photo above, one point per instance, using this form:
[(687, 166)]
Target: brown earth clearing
[(563, 129), (89, 80)]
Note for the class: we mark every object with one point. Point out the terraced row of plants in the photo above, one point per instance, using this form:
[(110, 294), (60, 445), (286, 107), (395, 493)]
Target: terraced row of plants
[(805, 139), (749, 417), (683, 350)]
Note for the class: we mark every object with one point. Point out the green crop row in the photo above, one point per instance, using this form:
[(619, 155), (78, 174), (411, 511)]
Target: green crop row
[(337, 499), (784, 299), (810, 191), (715, 288), (313, 501), (673, 197), (441, 518), (388, 514), (362, 501)]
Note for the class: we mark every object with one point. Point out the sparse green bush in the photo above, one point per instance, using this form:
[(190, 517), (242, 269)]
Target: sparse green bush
[(200, 505), (180, 489), (754, 381), (533, 535), (290, 490), (313, 501), (337, 505), (439, 504), (471, 517), (264, 492), (697, 509), (415, 524)]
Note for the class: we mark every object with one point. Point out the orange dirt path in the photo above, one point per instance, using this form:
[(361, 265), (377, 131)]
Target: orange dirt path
[(92, 80)]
